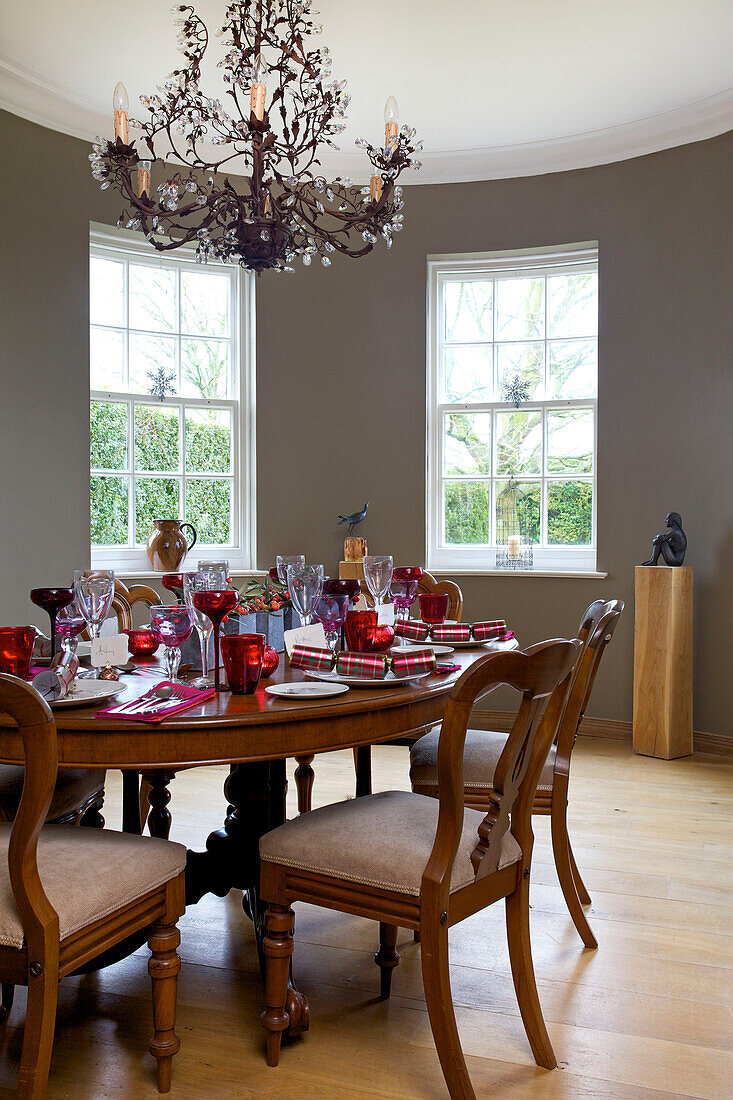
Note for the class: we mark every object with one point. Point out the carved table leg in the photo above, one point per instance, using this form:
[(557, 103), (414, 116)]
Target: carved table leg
[(159, 818), (256, 796)]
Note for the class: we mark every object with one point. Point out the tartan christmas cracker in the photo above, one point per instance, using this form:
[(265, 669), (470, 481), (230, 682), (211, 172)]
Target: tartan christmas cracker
[(452, 632), (367, 666), (411, 628), (495, 628), (311, 658), (410, 664)]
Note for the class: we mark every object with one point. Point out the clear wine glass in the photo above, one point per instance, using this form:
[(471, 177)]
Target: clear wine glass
[(305, 584), (171, 624), (69, 624), (378, 570), (330, 610), (203, 581), (282, 561), (95, 589), (215, 567)]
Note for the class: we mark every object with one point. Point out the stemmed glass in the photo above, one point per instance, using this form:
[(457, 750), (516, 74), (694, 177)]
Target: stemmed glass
[(330, 610), (215, 602), (171, 624), (282, 561), (95, 590), (215, 567), (403, 593), (305, 584), (52, 600), (378, 570), (210, 580), (69, 624)]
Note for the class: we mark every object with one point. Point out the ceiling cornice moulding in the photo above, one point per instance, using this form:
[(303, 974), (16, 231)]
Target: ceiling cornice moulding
[(25, 94)]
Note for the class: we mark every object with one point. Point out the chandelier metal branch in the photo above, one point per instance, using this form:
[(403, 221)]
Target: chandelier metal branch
[(280, 206)]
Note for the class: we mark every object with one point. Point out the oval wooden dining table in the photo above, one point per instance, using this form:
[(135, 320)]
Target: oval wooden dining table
[(254, 734)]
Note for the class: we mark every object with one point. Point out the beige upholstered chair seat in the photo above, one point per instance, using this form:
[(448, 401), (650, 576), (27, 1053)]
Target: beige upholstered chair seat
[(480, 757), (73, 787), (382, 840), (88, 873)]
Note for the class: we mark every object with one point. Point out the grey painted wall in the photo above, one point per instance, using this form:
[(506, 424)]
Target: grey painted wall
[(341, 383)]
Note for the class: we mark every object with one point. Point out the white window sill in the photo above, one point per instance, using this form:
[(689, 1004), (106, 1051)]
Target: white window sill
[(580, 573), (151, 575)]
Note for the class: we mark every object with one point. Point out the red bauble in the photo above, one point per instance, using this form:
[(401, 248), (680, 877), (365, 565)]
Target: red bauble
[(270, 662), (383, 639)]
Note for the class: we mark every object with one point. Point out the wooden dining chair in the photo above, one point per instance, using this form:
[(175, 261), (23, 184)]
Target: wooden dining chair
[(403, 859), (483, 751), (68, 895)]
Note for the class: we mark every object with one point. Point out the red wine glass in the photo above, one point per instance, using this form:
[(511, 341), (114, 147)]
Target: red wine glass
[(69, 624), (331, 612), (351, 587), (171, 624), (216, 604), (52, 600), (403, 593)]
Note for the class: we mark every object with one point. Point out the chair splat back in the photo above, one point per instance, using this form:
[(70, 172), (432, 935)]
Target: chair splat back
[(536, 673), (38, 732)]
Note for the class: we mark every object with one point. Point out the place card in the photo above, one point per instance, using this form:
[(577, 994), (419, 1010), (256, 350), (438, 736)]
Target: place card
[(386, 614), (314, 637), (111, 650)]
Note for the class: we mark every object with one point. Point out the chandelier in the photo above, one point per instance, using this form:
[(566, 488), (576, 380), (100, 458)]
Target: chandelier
[(280, 205)]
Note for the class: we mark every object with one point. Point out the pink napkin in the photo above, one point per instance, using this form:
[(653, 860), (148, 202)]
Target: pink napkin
[(191, 698)]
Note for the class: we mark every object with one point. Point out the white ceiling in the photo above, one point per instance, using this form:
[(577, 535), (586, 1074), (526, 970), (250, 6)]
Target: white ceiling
[(495, 88)]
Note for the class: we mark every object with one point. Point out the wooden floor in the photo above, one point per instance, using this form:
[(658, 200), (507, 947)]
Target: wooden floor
[(648, 1015)]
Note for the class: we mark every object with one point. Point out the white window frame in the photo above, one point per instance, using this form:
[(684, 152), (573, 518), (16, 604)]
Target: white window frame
[(441, 556), (241, 553)]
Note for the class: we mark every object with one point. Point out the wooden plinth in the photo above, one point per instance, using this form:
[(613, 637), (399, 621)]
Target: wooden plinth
[(663, 661), (354, 548), (352, 571)]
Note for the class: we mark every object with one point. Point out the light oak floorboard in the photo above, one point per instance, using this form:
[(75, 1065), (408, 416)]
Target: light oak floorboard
[(646, 1017)]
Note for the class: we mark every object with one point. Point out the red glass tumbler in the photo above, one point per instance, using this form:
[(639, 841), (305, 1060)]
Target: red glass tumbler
[(242, 655), (16, 649), (433, 607), (360, 628)]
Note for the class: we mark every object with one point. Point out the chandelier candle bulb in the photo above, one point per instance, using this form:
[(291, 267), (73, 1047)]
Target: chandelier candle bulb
[(258, 90), (121, 103), (143, 178), (375, 188), (391, 122), (513, 547)]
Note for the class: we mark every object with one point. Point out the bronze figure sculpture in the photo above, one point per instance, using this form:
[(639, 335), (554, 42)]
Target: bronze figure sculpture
[(671, 547)]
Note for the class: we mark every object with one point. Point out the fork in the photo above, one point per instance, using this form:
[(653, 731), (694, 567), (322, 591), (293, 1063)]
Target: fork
[(177, 696)]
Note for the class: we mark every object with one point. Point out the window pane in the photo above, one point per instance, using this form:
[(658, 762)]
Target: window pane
[(209, 440), (572, 305), (466, 512), (106, 360), (108, 435), (569, 513), (518, 442), (156, 438), (108, 501), (570, 441), (155, 498), (573, 368), (468, 310), (468, 374), (518, 511), (152, 298), (106, 292), (151, 358), (520, 309), (208, 508), (204, 304), (525, 360), (204, 368), (467, 443)]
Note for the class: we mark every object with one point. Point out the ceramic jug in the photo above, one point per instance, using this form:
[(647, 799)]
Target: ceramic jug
[(167, 545)]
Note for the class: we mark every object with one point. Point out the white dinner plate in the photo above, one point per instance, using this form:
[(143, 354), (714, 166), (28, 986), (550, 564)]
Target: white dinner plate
[(305, 690), (510, 643), (388, 681), (438, 648), (88, 691)]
